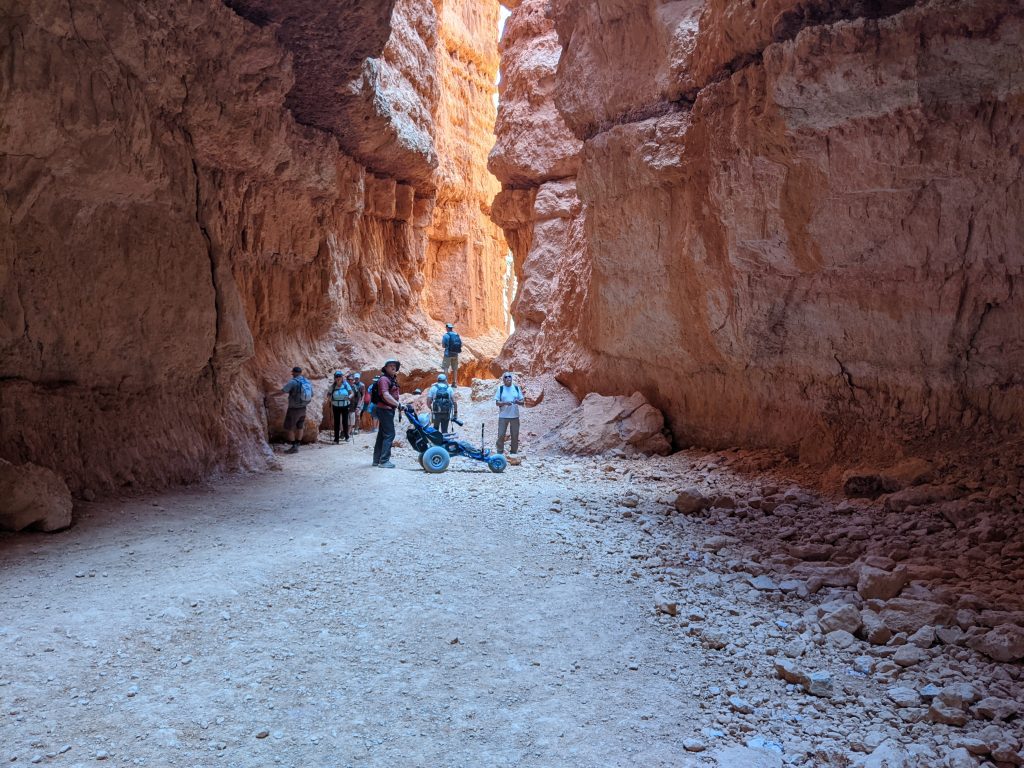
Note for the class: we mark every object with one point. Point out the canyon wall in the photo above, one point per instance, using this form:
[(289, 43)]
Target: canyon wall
[(196, 197), (798, 222)]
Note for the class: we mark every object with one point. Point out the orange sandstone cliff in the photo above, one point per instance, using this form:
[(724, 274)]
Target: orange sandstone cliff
[(198, 195), (793, 224)]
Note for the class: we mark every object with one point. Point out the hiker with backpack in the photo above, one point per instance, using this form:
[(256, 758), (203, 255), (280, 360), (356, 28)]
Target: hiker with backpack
[(508, 399), (300, 395), (369, 417), (356, 409), (451, 344), (341, 396), (385, 395), (441, 401)]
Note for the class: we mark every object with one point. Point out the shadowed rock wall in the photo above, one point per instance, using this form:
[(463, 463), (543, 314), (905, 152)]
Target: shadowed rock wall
[(801, 221), (182, 220)]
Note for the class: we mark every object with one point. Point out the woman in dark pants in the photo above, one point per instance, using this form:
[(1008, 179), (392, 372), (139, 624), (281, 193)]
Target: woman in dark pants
[(341, 400)]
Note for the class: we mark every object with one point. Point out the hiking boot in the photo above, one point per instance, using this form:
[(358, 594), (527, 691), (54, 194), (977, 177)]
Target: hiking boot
[(387, 465), (293, 449), (335, 441)]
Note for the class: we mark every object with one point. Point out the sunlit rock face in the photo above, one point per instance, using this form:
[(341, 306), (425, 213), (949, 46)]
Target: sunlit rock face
[(536, 157), (799, 222), (196, 197)]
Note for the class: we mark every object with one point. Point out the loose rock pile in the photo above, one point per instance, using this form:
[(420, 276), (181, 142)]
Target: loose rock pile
[(861, 632)]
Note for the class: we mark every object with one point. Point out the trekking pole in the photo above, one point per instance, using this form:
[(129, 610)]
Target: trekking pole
[(482, 426)]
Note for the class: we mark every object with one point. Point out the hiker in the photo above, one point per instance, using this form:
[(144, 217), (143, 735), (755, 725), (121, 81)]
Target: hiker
[(441, 401), (300, 394), (369, 417), (356, 409), (385, 394), (341, 395), (508, 399), (451, 344)]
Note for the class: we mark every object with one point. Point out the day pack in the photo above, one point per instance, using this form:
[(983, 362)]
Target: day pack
[(454, 343), (375, 396), (305, 390), (441, 402), (341, 396)]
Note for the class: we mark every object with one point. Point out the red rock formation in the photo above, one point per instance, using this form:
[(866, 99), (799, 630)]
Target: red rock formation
[(801, 220), (182, 223)]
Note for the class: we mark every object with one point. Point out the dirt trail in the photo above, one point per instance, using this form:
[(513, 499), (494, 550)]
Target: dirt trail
[(360, 616), (333, 614)]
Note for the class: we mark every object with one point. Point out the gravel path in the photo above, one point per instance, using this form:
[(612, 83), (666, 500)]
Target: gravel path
[(332, 614)]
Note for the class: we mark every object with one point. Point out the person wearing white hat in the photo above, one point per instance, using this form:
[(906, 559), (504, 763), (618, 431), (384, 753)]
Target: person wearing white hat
[(508, 399)]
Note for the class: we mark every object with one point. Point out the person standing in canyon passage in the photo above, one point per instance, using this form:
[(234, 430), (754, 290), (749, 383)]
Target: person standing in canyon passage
[(508, 399), (300, 394), (385, 397), (341, 396), (441, 401), (451, 346), (356, 409)]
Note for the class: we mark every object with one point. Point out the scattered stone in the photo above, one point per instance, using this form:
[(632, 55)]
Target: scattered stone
[(262, 734), (874, 629), (995, 708), (923, 638), (763, 583), (694, 745), (908, 615), (666, 607), (904, 697), (940, 713), (1004, 643), (909, 655), (820, 684), (741, 705), (961, 758), (846, 618), (878, 584), (888, 754), (33, 497), (690, 501), (744, 757), (867, 482)]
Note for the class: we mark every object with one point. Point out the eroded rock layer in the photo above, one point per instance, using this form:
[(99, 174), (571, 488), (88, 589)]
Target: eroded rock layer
[(173, 239), (799, 222)]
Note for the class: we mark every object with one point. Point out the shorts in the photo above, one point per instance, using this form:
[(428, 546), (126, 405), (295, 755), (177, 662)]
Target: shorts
[(295, 418)]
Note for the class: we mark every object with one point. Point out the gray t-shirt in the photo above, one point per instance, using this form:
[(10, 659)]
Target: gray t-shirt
[(506, 398), (294, 390)]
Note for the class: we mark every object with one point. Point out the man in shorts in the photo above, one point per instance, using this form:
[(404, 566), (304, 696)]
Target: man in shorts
[(299, 392)]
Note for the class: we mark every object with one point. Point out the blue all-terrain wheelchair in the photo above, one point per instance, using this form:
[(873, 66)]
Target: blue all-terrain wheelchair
[(436, 449)]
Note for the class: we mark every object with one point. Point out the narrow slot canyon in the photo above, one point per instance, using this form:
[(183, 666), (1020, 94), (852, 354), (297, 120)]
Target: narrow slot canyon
[(754, 270)]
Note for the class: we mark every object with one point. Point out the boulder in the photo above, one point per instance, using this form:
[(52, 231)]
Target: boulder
[(33, 497), (846, 618), (867, 482), (878, 584), (690, 501), (1004, 643), (620, 425), (907, 615)]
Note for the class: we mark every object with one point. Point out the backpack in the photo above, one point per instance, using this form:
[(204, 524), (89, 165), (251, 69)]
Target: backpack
[(441, 402), (305, 392), (341, 396), (453, 343), (375, 396)]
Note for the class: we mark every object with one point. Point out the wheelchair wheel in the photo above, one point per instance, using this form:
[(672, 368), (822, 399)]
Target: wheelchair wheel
[(435, 459), (497, 463)]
